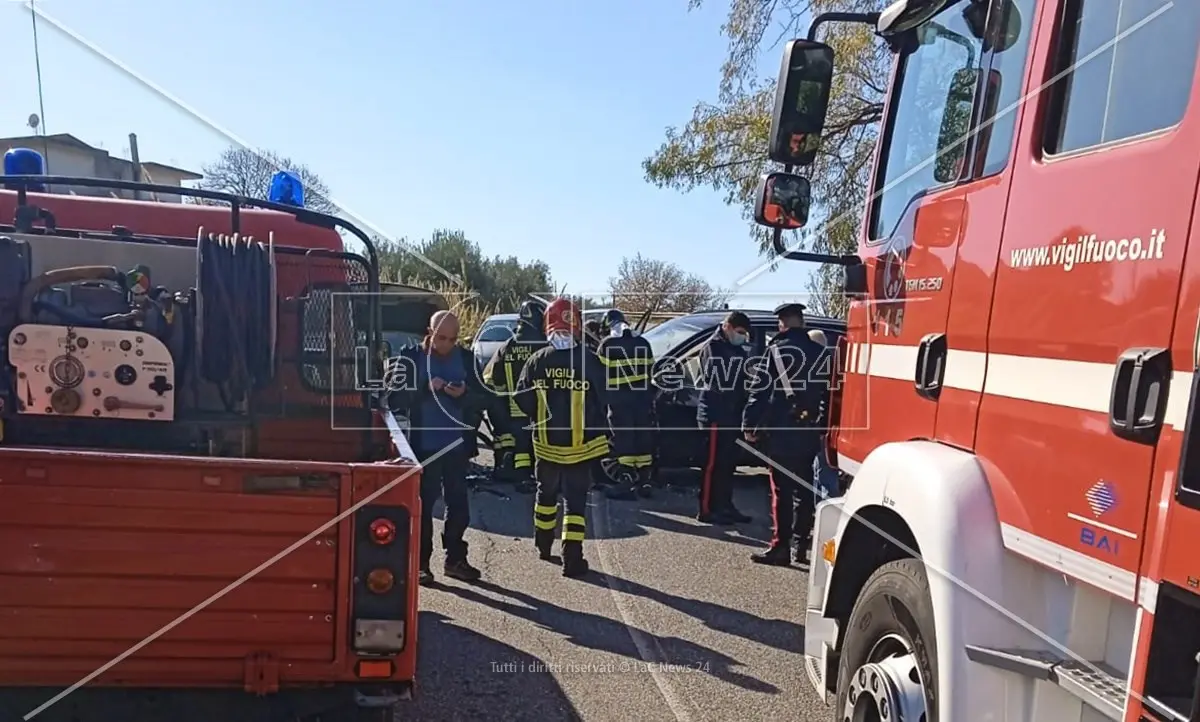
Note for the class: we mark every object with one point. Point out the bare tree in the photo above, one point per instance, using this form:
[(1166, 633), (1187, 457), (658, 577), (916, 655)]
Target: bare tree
[(248, 172), (644, 283)]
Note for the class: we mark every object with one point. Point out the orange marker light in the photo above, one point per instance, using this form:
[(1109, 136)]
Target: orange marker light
[(380, 581), (374, 668), (383, 531), (829, 550)]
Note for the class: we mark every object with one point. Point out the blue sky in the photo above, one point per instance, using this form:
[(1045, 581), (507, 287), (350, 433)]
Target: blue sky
[(542, 114)]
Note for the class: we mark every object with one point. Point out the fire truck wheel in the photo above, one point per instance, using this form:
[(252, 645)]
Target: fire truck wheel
[(888, 668)]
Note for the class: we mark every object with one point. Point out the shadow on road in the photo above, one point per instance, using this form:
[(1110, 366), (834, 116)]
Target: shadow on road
[(513, 517), (592, 631), (466, 675), (776, 633)]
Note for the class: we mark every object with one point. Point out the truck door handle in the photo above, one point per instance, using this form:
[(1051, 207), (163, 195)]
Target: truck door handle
[(931, 366), (1138, 402)]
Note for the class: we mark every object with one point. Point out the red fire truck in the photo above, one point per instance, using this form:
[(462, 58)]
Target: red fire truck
[(1019, 538), (198, 517)]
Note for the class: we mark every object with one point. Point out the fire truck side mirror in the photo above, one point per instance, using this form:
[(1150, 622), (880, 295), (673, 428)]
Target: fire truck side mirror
[(855, 284), (783, 201), (801, 102)]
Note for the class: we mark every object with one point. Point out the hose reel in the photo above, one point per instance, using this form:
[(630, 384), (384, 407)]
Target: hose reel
[(236, 313)]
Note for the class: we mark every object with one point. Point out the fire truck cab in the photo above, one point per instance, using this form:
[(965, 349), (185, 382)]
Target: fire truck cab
[(1018, 396)]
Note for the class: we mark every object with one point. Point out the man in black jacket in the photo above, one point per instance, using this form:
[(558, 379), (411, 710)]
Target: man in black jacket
[(434, 385), (719, 415), (786, 411)]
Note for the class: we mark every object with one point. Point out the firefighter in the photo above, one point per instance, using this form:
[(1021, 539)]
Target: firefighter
[(627, 359), (569, 406), (501, 375), (785, 410)]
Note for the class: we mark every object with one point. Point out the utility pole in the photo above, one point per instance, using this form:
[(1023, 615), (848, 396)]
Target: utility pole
[(137, 164)]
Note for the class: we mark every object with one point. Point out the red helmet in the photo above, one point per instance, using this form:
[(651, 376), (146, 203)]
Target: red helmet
[(563, 315)]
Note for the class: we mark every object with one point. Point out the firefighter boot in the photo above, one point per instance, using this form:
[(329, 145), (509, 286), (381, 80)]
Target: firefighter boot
[(574, 565), (544, 540)]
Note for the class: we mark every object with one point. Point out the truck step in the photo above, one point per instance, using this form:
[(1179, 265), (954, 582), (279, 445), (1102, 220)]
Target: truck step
[(1097, 684)]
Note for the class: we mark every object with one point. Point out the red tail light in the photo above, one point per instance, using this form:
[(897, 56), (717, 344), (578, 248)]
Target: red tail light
[(383, 531)]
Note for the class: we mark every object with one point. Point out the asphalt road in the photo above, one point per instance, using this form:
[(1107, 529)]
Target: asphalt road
[(673, 623)]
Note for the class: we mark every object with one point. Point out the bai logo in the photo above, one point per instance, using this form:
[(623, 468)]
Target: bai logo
[(1100, 541)]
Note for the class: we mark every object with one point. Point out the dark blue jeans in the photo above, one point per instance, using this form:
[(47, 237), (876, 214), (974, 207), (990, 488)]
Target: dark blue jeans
[(445, 477)]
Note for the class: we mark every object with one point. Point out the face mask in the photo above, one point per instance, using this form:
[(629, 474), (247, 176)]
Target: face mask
[(737, 338), (618, 329), (561, 340)]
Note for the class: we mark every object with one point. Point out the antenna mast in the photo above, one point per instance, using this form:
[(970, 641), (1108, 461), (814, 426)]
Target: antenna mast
[(37, 60)]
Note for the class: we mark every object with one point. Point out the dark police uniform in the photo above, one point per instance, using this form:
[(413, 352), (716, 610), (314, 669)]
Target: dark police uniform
[(786, 410), (719, 415), (627, 362), (510, 420), (563, 392)]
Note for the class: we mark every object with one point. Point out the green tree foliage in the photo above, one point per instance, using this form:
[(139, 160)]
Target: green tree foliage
[(658, 286), (724, 144), (497, 283)]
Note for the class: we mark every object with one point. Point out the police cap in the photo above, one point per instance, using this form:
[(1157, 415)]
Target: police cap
[(790, 309)]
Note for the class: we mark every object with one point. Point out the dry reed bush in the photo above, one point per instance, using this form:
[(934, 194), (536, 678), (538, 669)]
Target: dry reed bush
[(465, 304)]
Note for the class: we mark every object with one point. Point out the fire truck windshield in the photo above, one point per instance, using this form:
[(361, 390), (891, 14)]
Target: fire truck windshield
[(913, 156)]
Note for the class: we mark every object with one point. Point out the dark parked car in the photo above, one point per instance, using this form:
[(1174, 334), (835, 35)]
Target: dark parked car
[(676, 345)]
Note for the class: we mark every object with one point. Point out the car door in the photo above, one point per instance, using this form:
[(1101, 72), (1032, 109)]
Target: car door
[(680, 442)]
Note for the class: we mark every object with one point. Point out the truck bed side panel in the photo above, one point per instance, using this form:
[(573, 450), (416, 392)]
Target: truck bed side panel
[(99, 551)]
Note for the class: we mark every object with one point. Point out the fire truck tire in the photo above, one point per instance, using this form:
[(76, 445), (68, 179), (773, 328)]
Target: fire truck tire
[(888, 666)]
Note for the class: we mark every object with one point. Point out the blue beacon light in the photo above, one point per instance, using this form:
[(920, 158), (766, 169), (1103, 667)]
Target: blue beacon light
[(287, 189), (24, 161)]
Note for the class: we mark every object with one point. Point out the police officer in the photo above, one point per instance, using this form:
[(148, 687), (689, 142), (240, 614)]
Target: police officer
[(627, 360), (562, 388), (722, 379), (501, 375), (785, 410)]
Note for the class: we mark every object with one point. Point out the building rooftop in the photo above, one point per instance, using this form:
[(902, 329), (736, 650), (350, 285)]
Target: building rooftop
[(67, 140)]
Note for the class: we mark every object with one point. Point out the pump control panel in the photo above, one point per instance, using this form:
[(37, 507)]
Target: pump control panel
[(91, 372)]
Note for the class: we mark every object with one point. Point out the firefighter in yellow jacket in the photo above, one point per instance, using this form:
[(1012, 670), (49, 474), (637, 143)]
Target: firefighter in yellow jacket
[(570, 413), (509, 422)]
